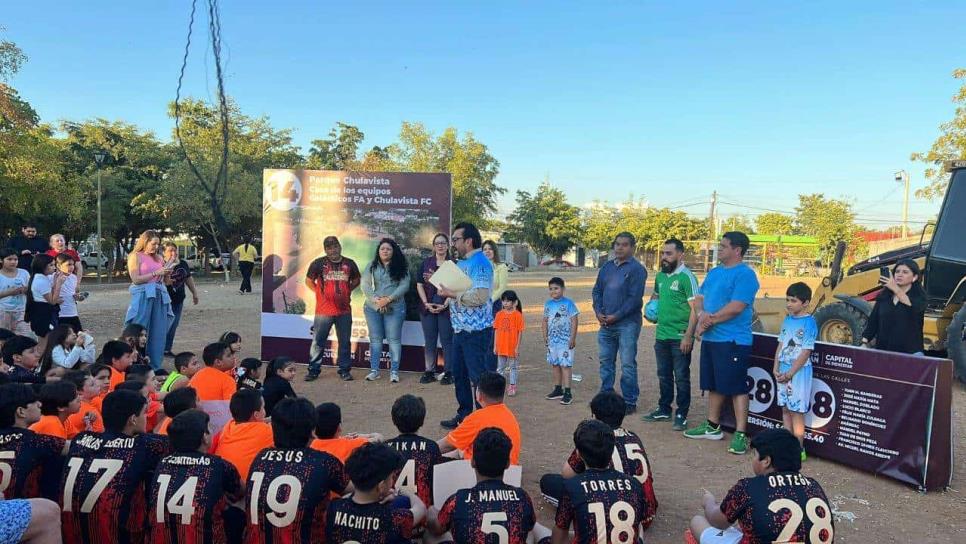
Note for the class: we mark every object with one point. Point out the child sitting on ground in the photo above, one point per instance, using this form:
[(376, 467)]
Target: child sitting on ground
[(248, 373), (67, 350), (177, 402), (22, 356), (508, 330), (58, 400), (793, 367), (420, 454), (145, 375), (136, 336), (278, 382), (560, 336), (160, 376), (328, 433), (186, 364), (88, 417)]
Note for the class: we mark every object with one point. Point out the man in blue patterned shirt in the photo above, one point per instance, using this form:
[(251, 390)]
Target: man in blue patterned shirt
[(472, 315)]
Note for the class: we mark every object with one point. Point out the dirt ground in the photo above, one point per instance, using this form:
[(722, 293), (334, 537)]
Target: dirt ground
[(868, 508)]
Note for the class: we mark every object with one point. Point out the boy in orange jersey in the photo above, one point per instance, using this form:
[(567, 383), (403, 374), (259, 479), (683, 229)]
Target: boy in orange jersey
[(145, 374), (177, 401), (88, 417), (58, 400), (214, 385), (119, 356), (328, 433), (489, 394)]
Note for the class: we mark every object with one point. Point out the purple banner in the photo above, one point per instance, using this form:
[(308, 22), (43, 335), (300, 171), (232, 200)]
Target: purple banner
[(877, 411)]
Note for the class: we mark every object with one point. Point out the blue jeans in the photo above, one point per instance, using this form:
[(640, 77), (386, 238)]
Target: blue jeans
[(469, 362), (619, 338), (386, 326), (343, 331), (176, 307), (438, 327), (673, 372)]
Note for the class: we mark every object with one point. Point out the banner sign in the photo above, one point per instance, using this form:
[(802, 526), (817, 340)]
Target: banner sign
[(301, 207), (887, 413)]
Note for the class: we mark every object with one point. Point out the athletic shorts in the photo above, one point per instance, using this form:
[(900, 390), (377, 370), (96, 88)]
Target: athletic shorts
[(724, 367), (560, 356), (796, 395), (731, 535), (14, 518)]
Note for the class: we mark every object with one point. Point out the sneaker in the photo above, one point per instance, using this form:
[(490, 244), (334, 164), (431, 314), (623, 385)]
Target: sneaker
[(706, 431), (393, 377), (372, 376), (511, 390), (629, 409), (311, 376), (656, 415), (428, 377), (346, 376), (567, 398), (451, 423), (804, 457), (739, 444), (447, 379), (680, 422), (557, 393)]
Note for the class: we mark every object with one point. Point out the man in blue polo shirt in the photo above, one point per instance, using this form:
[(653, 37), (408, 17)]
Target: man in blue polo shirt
[(724, 307), (618, 299), (471, 313)]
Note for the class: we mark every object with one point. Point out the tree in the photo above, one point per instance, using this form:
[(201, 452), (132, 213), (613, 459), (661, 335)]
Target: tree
[(829, 220), (545, 221), (339, 151), (951, 144), (600, 223), (775, 224), (737, 223)]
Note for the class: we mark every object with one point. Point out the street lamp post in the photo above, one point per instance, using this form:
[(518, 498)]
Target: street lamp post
[(99, 157), (903, 177)]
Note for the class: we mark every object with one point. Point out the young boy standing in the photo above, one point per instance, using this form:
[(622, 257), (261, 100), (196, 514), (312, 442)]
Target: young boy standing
[(560, 337), (793, 367)]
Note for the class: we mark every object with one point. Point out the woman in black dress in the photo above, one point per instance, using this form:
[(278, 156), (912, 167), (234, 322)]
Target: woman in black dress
[(897, 317)]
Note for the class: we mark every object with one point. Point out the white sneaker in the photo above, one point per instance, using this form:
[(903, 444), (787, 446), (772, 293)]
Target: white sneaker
[(372, 376), (394, 377)]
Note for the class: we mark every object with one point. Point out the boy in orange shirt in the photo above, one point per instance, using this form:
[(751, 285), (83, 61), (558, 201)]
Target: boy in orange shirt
[(88, 417), (489, 394), (214, 385), (177, 401), (58, 400), (328, 433), (119, 356), (145, 374)]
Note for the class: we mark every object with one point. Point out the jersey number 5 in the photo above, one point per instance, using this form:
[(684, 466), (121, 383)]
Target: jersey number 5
[(490, 527), (6, 470), (633, 452)]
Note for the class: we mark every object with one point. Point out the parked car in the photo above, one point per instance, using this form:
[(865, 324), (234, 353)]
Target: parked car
[(90, 260), (513, 267), (217, 263)]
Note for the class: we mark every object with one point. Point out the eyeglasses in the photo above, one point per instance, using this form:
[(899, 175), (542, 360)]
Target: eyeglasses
[(440, 243), (457, 238)]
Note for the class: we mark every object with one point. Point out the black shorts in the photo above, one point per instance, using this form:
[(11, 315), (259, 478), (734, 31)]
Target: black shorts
[(724, 366)]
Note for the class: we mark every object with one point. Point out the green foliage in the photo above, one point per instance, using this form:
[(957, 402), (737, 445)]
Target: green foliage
[(338, 151), (545, 221), (951, 144), (738, 223), (829, 220), (651, 226), (600, 225), (774, 223)]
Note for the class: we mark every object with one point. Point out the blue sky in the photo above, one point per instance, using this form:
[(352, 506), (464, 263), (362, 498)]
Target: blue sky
[(757, 100)]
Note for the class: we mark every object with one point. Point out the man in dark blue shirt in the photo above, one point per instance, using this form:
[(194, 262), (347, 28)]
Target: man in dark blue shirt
[(618, 299)]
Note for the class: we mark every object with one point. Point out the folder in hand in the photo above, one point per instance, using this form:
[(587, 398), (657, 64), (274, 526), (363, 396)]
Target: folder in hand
[(450, 275)]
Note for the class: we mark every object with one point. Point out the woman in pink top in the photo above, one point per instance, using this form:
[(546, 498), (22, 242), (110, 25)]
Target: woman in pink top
[(150, 303)]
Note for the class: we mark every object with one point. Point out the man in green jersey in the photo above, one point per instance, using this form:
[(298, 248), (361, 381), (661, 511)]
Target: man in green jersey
[(674, 289)]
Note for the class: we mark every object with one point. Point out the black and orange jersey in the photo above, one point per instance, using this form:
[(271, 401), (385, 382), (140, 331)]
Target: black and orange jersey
[(105, 485), (288, 493), (603, 506), (630, 458), (780, 507), (373, 523), (189, 496), (421, 455), (30, 464), (486, 512)]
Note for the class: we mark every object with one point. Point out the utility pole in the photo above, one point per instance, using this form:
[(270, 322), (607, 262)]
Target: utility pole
[(714, 227), (903, 177)]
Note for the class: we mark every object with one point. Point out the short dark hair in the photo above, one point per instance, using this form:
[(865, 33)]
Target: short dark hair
[(6, 334), (491, 452), (7, 252), (138, 373), (115, 349), (556, 280), (408, 413), (799, 290), (180, 400), (97, 368), (77, 377), (16, 346), (330, 241), (782, 446), (293, 421), (230, 337), (328, 417), (136, 386), (738, 239), (470, 232), (161, 372), (630, 237), (678, 244), (370, 464), (182, 359), (492, 385), (595, 443), (187, 430), (279, 363), (609, 407), (14, 396), (213, 352), (56, 395), (244, 403), (119, 405)]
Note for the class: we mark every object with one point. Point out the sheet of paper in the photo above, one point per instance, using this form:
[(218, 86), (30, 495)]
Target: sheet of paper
[(448, 478), (452, 277)]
